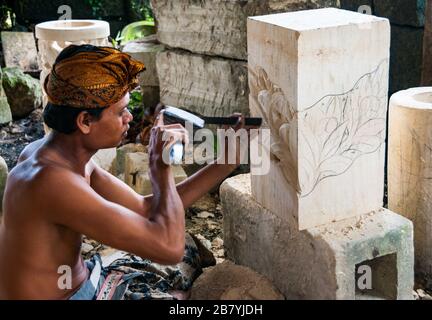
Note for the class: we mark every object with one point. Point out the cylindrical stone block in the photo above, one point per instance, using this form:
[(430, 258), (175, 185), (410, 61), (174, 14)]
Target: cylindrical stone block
[(410, 167)]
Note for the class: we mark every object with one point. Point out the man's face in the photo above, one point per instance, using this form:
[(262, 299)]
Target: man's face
[(111, 128)]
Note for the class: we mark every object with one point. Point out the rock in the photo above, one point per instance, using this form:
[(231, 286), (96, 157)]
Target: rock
[(86, 248), (227, 281), (143, 183), (136, 172), (214, 27), (405, 58), (5, 112), (205, 215), (20, 50), (205, 203), (105, 158), (423, 295), (121, 154), (145, 51), (207, 85), (3, 177), (217, 242), (23, 92), (402, 12), (206, 255), (204, 241)]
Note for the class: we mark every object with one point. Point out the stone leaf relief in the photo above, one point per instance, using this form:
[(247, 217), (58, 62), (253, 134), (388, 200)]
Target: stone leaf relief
[(335, 131)]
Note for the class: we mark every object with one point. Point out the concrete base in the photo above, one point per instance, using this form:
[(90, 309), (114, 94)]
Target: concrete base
[(321, 262)]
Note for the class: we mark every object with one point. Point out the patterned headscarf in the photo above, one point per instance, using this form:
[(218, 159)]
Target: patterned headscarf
[(92, 77)]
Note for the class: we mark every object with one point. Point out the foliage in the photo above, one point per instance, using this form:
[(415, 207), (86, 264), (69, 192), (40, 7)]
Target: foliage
[(142, 10), (136, 104), (6, 17), (136, 30), (96, 6)]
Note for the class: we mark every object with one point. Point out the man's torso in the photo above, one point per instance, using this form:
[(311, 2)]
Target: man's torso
[(34, 251)]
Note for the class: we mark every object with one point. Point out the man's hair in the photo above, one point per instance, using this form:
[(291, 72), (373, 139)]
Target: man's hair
[(62, 118)]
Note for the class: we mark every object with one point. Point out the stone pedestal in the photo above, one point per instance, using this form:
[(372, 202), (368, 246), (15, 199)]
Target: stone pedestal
[(323, 262), (410, 168)]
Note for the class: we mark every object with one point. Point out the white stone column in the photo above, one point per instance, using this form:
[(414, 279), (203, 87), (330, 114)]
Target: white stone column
[(410, 167), (319, 78)]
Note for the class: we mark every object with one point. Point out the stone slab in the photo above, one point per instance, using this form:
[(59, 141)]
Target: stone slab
[(210, 86)]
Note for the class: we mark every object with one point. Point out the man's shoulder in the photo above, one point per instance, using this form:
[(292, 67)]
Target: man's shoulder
[(42, 178), (29, 150)]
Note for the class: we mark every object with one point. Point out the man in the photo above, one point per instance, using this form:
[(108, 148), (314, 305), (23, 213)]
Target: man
[(57, 193)]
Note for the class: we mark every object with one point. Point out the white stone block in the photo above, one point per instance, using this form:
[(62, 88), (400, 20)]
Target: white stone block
[(134, 164), (137, 172), (143, 184), (319, 78), (105, 158)]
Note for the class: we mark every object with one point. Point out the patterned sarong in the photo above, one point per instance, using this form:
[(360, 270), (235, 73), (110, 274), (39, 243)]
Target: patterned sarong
[(134, 278)]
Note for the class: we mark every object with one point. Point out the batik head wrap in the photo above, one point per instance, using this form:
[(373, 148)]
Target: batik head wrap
[(91, 77)]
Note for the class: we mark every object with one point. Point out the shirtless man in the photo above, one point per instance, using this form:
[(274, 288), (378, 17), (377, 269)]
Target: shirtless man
[(56, 193)]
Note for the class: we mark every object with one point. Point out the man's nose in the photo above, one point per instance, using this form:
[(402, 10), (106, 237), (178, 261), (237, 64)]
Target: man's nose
[(129, 117)]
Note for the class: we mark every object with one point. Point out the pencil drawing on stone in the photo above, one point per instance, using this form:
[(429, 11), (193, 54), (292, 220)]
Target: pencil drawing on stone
[(334, 131)]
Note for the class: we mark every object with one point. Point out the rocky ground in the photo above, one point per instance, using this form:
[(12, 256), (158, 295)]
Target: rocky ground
[(16, 135)]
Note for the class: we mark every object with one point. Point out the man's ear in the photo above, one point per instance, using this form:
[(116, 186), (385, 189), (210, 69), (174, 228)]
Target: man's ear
[(83, 122)]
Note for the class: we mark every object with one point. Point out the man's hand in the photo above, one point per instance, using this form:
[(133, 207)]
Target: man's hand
[(162, 138)]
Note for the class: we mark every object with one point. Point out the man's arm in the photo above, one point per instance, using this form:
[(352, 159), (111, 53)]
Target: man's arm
[(76, 206), (190, 190)]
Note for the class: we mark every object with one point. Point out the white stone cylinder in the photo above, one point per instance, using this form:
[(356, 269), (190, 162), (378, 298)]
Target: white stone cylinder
[(53, 36), (410, 167)]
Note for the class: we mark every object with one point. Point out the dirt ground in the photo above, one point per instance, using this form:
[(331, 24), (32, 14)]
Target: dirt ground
[(16, 135)]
